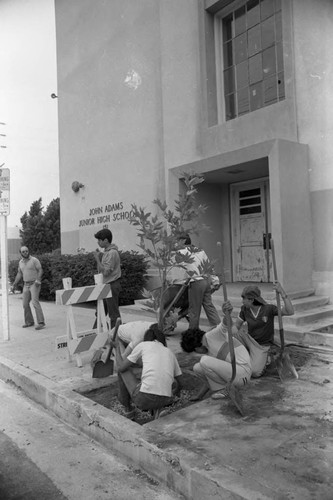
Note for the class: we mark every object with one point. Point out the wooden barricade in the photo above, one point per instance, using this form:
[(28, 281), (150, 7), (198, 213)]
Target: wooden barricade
[(79, 343)]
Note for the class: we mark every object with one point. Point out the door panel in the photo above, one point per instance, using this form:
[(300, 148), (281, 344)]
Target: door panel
[(253, 263), (250, 223)]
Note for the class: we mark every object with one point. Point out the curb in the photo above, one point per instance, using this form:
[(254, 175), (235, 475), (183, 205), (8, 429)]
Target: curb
[(115, 433)]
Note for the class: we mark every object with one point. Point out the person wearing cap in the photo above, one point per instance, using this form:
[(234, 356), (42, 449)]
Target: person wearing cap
[(108, 264), (30, 270), (259, 317)]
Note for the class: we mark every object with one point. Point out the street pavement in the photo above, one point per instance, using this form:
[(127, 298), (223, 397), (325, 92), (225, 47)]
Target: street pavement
[(281, 448), (41, 458)]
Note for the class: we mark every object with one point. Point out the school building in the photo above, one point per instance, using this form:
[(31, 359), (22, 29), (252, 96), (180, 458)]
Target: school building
[(240, 91)]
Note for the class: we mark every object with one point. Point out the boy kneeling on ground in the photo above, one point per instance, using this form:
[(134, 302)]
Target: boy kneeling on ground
[(160, 369), (214, 367)]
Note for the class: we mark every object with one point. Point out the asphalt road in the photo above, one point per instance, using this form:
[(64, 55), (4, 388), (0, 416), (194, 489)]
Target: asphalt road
[(43, 459), (21, 478)]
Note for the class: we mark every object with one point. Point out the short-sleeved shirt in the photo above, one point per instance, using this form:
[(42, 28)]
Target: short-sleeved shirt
[(261, 327), (30, 268), (199, 257), (132, 333), (216, 340), (159, 367)]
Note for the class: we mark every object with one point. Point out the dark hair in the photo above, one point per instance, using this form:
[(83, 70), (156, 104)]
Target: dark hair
[(186, 238), (191, 339), (154, 333), (104, 234)]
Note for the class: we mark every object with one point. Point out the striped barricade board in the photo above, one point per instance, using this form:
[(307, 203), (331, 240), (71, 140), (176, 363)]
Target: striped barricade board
[(83, 294), (85, 341), (76, 342)]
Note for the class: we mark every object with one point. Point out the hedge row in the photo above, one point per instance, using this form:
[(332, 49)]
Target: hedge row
[(82, 267)]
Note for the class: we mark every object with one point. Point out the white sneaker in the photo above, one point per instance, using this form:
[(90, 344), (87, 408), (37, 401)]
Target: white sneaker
[(219, 394)]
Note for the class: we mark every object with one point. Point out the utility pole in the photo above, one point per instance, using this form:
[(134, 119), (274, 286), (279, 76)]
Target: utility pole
[(4, 211)]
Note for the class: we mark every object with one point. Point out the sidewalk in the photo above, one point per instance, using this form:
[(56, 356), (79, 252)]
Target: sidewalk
[(282, 448)]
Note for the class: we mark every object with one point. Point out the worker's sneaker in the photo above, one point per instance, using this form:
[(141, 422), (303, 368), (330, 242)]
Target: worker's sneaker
[(220, 394), (40, 326), (28, 325)]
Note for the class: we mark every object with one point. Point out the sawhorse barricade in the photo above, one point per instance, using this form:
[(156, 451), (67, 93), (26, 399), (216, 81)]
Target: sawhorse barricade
[(82, 342)]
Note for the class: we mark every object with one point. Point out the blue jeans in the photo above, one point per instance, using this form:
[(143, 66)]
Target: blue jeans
[(31, 294)]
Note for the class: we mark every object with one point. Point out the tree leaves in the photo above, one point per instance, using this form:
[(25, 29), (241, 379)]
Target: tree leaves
[(41, 230), (159, 233)]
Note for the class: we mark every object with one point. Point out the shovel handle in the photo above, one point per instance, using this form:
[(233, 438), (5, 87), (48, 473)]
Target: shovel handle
[(174, 300), (228, 316), (278, 299), (115, 332)]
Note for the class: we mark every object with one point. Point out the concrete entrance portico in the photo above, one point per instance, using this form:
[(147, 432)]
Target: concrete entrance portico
[(285, 164)]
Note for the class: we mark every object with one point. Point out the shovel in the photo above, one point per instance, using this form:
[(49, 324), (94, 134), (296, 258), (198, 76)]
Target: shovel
[(102, 364), (283, 363), (231, 390)]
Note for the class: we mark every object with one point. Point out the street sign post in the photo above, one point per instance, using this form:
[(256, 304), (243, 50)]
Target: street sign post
[(4, 211), (4, 191)]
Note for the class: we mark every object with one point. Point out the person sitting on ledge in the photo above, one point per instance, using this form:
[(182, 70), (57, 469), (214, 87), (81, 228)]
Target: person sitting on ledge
[(259, 317), (214, 367), (160, 369)]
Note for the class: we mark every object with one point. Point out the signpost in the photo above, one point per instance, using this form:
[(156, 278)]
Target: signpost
[(4, 211)]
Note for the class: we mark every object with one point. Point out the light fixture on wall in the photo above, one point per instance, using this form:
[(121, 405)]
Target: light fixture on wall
[(76, 186)]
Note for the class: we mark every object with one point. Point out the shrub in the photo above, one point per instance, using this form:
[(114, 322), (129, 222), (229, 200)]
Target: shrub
[(134, 276), (81, 268)]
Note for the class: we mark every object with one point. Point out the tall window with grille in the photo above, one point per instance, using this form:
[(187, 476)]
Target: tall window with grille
[(253, 72)]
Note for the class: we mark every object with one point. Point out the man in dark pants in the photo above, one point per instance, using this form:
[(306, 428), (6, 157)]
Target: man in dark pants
[(109, 267), (199, 289)]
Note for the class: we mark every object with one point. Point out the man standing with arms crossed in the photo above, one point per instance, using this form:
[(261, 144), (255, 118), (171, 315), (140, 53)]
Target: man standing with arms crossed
[(30, 270)]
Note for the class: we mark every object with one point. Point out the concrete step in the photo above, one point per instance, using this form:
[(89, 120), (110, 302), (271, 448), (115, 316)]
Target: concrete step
[(309, 335), (304, 334), (302, 318), (300, 303), (307, 309), (312, 313)]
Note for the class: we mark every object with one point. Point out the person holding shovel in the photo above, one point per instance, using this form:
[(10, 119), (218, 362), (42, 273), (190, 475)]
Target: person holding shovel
[(214, 367), (259, 317), (160, 369), (200, 285)]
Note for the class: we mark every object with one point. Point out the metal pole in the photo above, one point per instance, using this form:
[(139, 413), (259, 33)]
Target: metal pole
[(4, 277)]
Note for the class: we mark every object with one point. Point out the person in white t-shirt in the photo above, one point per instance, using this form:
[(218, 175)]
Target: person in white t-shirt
[(132, 333), (160, 369), (214, 367)]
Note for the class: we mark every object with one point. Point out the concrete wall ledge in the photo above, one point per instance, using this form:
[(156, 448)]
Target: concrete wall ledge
[(116, 434)]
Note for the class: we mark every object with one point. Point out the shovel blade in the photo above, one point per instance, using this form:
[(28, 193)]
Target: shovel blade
[(236, 397), (102, 370), (285, 367)]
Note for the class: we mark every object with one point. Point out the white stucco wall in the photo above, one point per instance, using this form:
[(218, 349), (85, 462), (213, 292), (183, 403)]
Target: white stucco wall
[(110, 115)]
